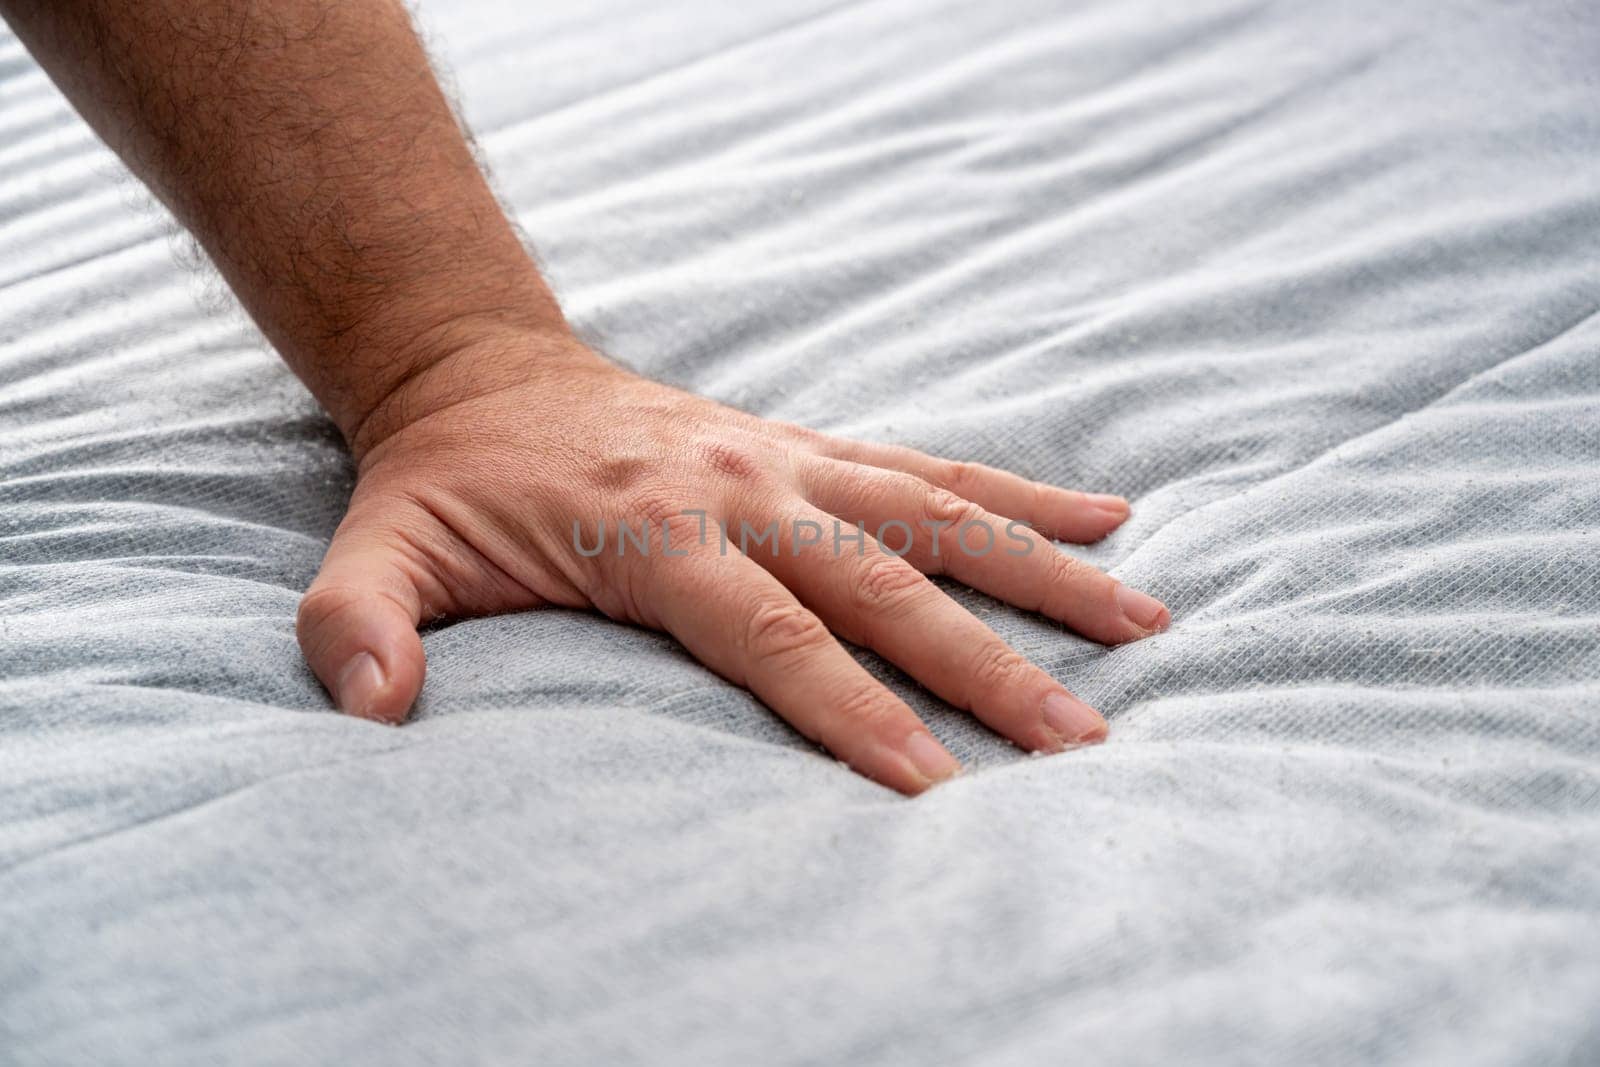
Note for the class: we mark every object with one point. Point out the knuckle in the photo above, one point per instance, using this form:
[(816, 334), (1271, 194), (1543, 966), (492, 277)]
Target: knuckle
[(780, 631), (865, 710), (320, 605), (651, 505), (944, 506), (730, 460), (960, 476), (883, 582), (327, 612), (948, 514), (682, 531), (997, 666), (855, 488), (1068, 570)]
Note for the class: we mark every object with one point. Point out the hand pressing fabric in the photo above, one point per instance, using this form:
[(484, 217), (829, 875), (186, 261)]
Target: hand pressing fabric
[(308, 147), (473, 475)]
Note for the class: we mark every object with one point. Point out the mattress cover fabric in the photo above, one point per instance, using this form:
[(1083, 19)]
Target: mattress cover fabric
[(1316, 286)]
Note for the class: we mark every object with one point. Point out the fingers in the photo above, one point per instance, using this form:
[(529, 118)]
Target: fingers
[(357, 625), (1006, 559), (739, 621), (1060, 514), (873, 598)]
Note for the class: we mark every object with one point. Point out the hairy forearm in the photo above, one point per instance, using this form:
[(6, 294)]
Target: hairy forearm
[(308, 147)]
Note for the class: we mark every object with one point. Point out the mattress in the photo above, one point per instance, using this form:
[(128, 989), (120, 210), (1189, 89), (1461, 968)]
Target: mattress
[(1316, 286)]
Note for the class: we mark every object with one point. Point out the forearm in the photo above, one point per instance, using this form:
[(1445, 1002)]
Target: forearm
[(308, 147)]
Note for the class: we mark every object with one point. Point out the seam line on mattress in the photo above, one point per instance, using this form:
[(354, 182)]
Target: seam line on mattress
[(1312, 461), (162, 816)]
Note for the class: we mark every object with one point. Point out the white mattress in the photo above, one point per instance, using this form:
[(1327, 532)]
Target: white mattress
[(1314, 285)]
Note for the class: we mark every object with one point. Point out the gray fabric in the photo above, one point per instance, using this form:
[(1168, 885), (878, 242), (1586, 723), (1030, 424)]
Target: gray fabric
[(1315, 285)]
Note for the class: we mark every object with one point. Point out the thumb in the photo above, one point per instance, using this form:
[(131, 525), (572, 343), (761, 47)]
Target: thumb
[(357, 625)]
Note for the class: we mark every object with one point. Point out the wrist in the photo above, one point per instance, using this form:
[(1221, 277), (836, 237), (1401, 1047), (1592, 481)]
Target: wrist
[(355, 348), (461, 360)]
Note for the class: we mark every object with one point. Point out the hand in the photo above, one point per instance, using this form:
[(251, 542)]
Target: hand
[(474, 472)]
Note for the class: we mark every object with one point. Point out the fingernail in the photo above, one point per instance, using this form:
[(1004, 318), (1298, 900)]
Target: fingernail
[(1107, 502), (1143, 610), (359, 684), (930, 759), (1070, 719)]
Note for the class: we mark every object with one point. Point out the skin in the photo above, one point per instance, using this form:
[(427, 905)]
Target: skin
[(308, 147)]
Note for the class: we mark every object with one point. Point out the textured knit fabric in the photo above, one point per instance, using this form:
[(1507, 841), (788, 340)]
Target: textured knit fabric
[(1314, 285)]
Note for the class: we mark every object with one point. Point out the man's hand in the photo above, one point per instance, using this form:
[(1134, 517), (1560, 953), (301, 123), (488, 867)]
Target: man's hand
[(308, 147), (501, 480)]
